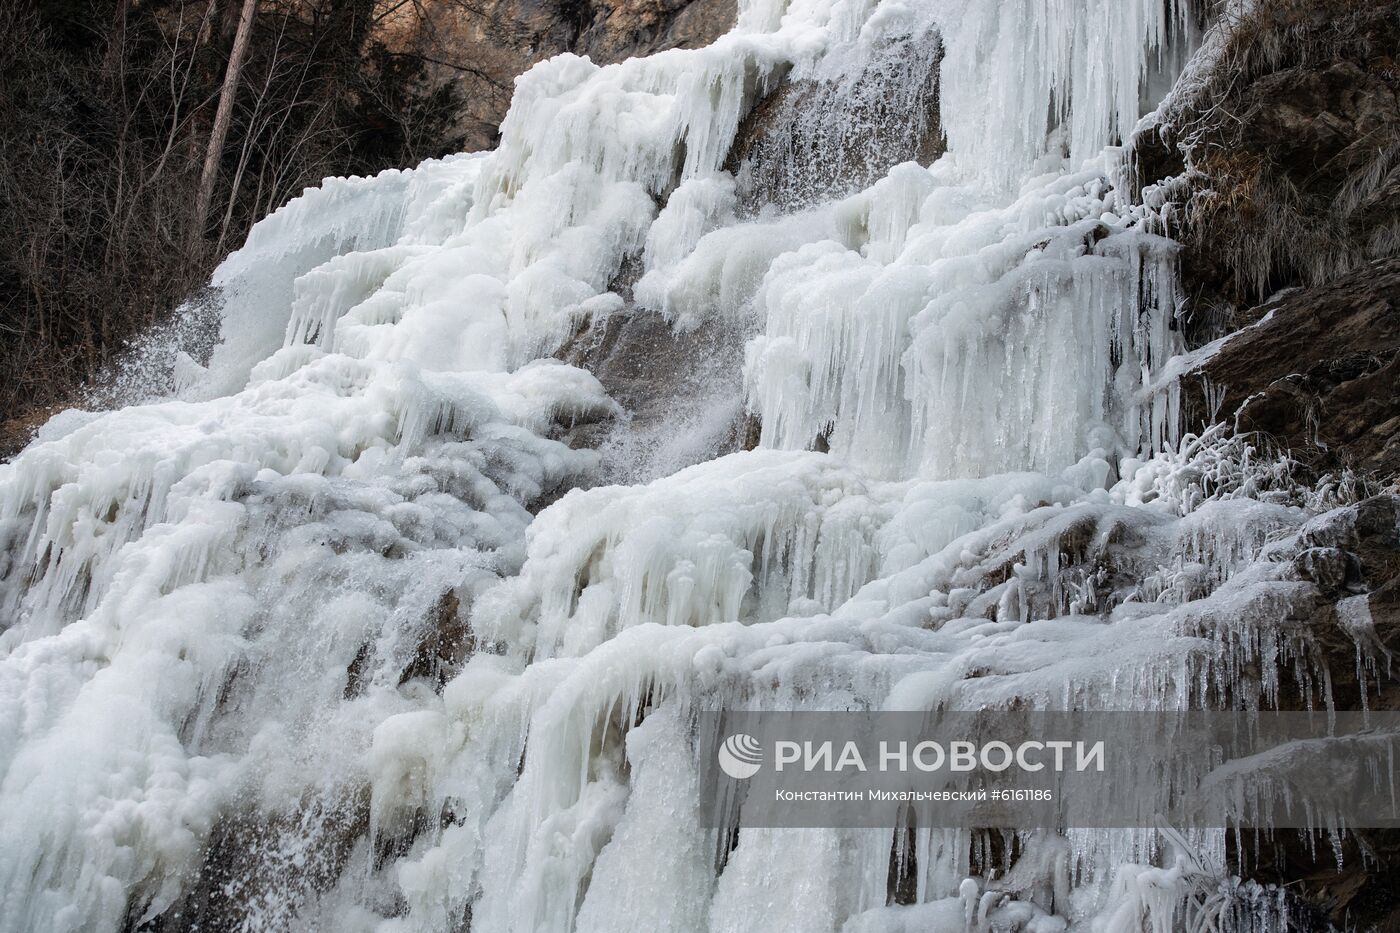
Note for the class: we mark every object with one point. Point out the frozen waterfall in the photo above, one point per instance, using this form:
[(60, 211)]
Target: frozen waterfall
[(347, 635)]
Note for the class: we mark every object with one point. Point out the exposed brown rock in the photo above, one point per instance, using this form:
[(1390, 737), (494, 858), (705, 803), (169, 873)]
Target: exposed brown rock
[(1352, 555), (492, 41), (256, 859), (1287, 159), (621, 29), (1286, 151), (1291, 145), (1350, 887), (1319, 374)]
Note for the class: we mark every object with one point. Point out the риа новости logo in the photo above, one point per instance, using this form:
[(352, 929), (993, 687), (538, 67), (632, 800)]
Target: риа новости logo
[(740, 756)]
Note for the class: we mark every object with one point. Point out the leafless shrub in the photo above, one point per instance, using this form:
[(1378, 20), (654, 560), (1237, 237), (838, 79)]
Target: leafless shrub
[(106, 116)]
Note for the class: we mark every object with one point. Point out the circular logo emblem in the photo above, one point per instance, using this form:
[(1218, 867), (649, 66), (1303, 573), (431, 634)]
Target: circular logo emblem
[(740, 756)]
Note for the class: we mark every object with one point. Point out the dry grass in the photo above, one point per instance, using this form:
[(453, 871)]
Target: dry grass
[(1292, 139)]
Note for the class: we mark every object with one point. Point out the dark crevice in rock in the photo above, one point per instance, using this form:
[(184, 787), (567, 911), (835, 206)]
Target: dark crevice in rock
[(447, 643)]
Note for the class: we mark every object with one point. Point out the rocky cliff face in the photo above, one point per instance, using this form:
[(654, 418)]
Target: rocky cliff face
[(1280, 167), (1289, 134), (1285, 150), (502, 38), (1318, 372)]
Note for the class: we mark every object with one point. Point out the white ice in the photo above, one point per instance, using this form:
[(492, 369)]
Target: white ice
[(349, 601)]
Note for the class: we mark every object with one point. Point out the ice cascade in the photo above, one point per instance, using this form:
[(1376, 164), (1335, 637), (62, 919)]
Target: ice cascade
[(342, 637)]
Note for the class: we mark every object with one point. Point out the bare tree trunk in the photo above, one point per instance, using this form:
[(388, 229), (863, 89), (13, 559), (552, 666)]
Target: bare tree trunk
[(223, 116)]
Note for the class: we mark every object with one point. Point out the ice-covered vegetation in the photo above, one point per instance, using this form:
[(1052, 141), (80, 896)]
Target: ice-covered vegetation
[(343, 637)]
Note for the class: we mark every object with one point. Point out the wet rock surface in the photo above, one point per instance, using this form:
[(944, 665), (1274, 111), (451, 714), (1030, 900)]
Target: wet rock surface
[(675, 390), (812, 140)]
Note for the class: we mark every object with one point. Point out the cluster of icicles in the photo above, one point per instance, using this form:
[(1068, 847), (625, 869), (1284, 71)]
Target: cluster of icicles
[(343, 636)]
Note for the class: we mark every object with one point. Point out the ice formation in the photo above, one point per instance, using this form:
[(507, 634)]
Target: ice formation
[(325, 641)]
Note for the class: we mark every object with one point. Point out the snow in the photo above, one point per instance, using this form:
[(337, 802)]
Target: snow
[(351, 593)]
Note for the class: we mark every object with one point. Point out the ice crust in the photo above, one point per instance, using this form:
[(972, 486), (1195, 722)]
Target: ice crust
[(349, 596)]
